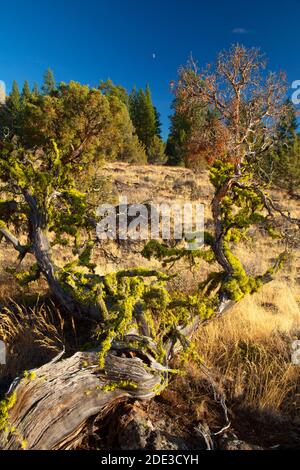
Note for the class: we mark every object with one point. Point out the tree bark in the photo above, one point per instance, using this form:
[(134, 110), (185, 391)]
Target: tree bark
[(56, 401), (41, 250)]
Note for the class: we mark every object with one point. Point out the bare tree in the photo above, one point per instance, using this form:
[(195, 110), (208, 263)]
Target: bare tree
[(244, 101)]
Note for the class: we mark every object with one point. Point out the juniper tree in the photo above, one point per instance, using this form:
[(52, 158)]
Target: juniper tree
[(110, 89), (43, 173), (248, 108)]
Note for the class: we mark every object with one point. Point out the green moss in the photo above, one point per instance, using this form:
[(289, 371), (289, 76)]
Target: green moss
[(25, 277), (5, 405), (121, 384), (105, 347), (29, 375), (167, 255), (24, 444)]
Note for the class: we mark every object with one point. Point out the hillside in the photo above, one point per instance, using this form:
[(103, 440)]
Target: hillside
[(248, 352)]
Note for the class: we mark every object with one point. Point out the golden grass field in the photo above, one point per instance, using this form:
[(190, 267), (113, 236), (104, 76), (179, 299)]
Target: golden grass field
[(249, 350)]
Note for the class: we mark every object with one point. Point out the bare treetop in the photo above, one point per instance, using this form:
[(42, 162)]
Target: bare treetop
[(246, 101)]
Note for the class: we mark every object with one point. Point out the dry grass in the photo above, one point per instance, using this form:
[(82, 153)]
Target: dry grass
[(33, 335), (250, 348)]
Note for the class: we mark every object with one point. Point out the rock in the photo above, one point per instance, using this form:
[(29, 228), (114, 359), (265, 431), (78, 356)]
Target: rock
[(231, 442), (135, 430), (138, 432), (163, 441)]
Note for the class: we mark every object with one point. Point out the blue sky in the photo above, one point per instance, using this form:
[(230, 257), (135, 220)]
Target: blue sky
[(135, 42)]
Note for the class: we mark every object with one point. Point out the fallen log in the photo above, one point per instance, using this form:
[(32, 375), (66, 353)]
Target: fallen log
[(53, 404)]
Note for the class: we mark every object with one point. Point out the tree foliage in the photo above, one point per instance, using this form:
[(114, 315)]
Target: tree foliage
[(156, 151), (279, 165), (26, 93), (49, 84), (184, 123), (46, 168), (45, 171), (144, 116)]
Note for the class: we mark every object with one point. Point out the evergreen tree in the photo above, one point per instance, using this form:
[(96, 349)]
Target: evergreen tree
[(183, 125), (130, 149), (287, 126), (14, 101), (287, 152), (289, 167), (133, 150), (180, 132), (49, 84), (110, 89), (143, 116), (156, 151), (26, 93), (35, 89), (280, 165), (133, 106), (10, 113), (157, 122)]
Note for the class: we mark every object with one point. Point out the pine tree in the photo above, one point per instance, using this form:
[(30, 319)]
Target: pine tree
[(49, 84), (157, 122), (183, 125), (15, 97), (35, 89), (289, 167), (156, 151), (287, 127), (287, 153), (13, 106), (130, 149), (280, 165), (10, 112), (180, 131), (26, 93), (143, 116), (133, 106)]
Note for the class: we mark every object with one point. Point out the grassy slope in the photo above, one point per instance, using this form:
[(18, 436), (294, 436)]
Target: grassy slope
[(249, 349)]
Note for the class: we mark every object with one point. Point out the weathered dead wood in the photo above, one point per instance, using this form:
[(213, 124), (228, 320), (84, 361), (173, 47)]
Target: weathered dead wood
[(54, 403)]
